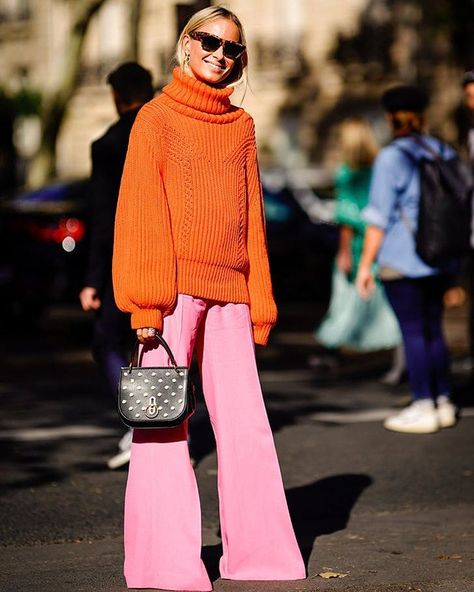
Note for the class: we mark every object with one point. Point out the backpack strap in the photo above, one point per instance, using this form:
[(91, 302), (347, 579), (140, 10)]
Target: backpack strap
[(436, 155), (403, 216)]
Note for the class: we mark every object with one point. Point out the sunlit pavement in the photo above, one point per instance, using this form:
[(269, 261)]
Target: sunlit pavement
[(379, 511)]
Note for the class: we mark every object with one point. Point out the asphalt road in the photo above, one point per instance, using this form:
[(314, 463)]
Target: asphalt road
[(389, 512)]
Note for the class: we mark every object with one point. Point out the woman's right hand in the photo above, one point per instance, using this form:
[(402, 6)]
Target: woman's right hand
[(365, 282), (146, 334), (344, 261)]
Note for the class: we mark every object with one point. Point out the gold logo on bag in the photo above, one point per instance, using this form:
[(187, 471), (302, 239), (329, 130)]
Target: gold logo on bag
[(152, 409)]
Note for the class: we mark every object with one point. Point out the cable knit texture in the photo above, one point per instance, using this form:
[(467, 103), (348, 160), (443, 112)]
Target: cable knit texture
[(190, 211)]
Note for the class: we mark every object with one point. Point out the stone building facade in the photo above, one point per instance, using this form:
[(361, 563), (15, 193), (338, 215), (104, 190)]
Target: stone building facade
[(299, 84)]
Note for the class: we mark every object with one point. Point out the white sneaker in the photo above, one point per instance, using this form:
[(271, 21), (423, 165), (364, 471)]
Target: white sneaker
[(420, 417), (120, 459), (446, 412), (126, 440)]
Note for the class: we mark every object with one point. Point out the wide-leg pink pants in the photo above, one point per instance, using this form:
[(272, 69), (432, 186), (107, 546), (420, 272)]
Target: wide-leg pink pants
[(162, 509)]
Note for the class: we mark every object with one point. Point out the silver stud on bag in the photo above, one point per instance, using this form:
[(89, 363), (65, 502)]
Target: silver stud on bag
[(153, 373), (140, 374), (124, 400)]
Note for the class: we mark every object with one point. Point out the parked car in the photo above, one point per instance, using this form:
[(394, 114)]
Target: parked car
[(302, 239), (44, 248)]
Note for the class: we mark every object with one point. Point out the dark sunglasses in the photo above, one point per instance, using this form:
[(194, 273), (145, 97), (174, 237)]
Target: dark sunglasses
[(231, 49)]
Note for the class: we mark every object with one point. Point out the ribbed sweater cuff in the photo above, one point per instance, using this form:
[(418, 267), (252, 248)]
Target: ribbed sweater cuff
[(261, 333), (147, 317)]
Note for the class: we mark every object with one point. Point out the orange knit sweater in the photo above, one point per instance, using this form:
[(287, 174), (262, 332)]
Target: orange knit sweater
[(190, 210)]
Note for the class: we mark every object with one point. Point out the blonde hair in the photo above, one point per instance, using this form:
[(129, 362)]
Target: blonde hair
[(238, 73), (358, 144)]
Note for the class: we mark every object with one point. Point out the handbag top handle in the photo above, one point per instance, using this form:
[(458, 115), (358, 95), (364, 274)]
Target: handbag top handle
[(161, 340)]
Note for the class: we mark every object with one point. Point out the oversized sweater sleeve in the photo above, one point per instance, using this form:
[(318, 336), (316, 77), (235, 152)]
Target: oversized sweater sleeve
[(144, 262), (263, 310)]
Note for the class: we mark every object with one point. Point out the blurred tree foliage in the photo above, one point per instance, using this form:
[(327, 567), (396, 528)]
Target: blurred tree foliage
[(440, 30), (27, 101), (427, 42), (454, 20)]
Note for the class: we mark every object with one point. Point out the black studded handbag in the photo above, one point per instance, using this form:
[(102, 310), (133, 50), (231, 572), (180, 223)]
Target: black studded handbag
[(160, 397)]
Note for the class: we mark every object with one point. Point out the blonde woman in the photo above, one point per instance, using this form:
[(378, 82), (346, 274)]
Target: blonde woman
[(351, 321), (190, 261)]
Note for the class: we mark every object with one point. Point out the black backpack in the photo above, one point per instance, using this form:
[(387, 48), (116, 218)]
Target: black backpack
[(444, 219)]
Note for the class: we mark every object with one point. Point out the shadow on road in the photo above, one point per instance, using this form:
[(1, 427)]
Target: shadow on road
[(319, 508), (324, 507)]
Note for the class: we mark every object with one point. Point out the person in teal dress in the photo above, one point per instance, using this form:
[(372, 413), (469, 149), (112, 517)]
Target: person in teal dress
[(361, 325)]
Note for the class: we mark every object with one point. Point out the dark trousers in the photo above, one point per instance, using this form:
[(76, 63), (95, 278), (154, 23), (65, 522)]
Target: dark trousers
[(112, 339), (418, 306), (471, 303)]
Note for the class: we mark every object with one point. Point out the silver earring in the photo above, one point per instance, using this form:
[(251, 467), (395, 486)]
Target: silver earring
[(187, 57)]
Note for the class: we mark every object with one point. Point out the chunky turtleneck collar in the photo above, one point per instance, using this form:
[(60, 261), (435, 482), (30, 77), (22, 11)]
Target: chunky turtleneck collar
[(199, 100)]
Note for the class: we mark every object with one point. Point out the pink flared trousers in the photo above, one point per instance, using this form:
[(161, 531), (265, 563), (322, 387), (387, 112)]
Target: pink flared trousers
[(162, 509)]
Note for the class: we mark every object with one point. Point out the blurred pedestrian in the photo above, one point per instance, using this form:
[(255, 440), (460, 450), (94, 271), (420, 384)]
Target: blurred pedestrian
[(190, 261), (467, 137), (466, 118), (363, 325), (414, 289), (132, 87)]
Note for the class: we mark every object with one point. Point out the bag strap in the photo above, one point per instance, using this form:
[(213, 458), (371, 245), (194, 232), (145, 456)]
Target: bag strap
[(161, 340)]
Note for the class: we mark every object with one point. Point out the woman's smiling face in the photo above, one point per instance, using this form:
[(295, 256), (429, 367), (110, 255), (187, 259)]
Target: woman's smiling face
[(212, 67)]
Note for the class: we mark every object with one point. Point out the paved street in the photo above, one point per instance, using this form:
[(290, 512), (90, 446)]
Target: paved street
[(389, 512)]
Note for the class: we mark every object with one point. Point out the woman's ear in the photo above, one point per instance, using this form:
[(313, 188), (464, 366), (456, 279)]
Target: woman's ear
[(186, 44)]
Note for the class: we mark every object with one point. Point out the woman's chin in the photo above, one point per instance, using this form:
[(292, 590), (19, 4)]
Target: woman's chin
[(210, 75)]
